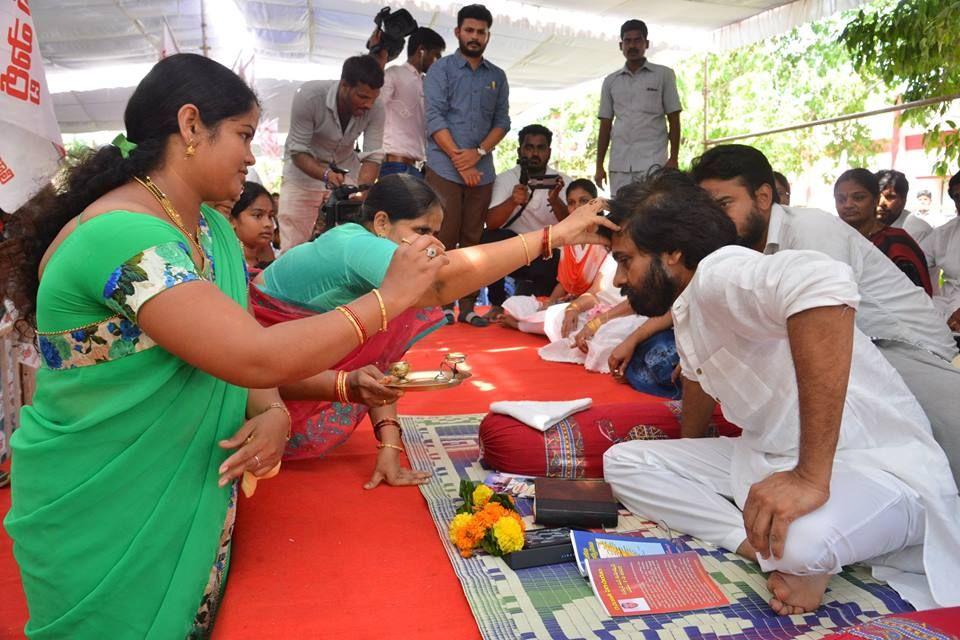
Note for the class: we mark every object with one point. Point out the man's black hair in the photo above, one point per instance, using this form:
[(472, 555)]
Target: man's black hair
[(736, 162), (668, 212), (535, 130), (634, 25), (894, 179), (362, 69), (475, 12), (427, 38)]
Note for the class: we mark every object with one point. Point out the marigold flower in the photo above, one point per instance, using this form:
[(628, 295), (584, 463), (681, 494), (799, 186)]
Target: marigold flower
[(481, 496), (508, 534), (458, 524)]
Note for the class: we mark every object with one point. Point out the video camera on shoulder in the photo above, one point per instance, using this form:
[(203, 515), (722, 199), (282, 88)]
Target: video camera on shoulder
[(340, 208), (547, 181), (394, 27)]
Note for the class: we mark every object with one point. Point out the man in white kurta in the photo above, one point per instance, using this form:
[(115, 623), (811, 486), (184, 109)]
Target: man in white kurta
[(826, 474), (897, 315)]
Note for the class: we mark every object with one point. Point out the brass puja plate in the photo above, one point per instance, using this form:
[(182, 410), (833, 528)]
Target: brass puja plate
[(453, 370), (427, 381)]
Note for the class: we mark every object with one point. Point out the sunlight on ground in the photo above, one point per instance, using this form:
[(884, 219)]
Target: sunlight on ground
[(505, 349), (483, 386)]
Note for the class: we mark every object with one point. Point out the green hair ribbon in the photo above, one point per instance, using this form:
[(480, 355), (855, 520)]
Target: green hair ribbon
[(124, 145)]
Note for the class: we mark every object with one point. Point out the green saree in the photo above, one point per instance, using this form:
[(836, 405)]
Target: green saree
[(116, 516)]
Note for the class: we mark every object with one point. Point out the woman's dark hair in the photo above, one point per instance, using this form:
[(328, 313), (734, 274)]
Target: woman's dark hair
[(150, 119), (583, 183), (668, 212), (362, 69), (427, 38), (895, 179), (474, 12), (862, 177), (782, 179), (736, 162), (401, 195), (251, 191)]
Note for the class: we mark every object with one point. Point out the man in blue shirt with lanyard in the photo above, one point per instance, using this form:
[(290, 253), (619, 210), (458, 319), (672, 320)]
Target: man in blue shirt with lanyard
[(467, 115)]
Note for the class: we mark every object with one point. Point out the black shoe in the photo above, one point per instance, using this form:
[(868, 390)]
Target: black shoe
[(474, 320)]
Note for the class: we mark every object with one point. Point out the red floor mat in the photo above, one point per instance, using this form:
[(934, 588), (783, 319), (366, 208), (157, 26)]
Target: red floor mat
[(316, 556)]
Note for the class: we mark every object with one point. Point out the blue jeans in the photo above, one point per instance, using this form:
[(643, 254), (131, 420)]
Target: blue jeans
[(389, 168), (652, 365)]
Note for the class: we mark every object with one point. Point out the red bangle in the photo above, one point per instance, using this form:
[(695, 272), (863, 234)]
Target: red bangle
[(545, 242), (363, 330), (383, 423)]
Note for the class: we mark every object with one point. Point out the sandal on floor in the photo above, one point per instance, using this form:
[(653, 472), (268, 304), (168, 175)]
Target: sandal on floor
[(450, 316), (474, 320)]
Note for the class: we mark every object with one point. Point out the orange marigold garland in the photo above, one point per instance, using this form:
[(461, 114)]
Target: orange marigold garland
[(487, 520)]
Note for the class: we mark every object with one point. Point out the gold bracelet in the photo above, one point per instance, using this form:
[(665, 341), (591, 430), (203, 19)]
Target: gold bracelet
[(342, 395), (526, 249), (356, 325), (384, 445), (595, 324), (549, 243), (282, 407), (383, 310), (573, 305)]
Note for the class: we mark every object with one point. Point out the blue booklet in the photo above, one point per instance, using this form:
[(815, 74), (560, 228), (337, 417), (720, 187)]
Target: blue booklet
[(588, 545)]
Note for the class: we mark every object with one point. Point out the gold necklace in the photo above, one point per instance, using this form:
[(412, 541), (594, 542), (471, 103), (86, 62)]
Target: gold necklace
[(175, 218)]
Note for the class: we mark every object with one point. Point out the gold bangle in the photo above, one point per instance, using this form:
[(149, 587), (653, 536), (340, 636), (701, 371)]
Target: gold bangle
[(384, 445), (526, 249), (341, 392), (549, 251), (356, 325), (573, 305), (383, 310), (282, 407), (595, 324)]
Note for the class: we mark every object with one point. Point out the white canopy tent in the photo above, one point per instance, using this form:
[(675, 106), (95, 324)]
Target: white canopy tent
[(95, 51)]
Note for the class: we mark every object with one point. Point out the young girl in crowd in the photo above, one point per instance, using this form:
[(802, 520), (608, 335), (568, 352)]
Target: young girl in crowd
[(254, 220)]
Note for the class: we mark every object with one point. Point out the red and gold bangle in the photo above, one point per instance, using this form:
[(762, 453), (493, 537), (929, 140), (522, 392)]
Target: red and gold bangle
[(355, 321), (543, 241), (340, 388), (386, 422), (383, 310)]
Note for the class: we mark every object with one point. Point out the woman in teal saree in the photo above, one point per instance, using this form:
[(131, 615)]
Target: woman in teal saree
[(126, 462)]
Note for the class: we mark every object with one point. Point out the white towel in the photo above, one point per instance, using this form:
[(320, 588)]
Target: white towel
[(540, 415)]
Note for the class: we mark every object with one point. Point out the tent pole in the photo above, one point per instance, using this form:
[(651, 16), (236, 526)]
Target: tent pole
[(850, 116), (203, 30), (706, 99)]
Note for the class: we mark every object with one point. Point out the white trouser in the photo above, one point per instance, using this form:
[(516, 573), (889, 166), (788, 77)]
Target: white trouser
[(936, 385), (299, 208), (686, 484)]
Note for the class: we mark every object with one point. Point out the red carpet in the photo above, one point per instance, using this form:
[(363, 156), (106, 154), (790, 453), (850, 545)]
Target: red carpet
[(316, 556)]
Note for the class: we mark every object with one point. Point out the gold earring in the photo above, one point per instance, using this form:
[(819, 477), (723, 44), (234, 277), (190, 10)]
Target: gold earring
[(191, 150)]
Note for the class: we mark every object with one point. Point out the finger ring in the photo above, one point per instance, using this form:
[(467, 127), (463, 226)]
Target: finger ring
[(257, 458), (431, 252)]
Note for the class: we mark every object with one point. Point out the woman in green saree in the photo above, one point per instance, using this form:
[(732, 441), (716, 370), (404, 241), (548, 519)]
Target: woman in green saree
[(126, 462)]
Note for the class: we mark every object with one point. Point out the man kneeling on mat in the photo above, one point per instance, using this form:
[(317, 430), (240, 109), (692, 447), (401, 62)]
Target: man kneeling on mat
[(836, 463)]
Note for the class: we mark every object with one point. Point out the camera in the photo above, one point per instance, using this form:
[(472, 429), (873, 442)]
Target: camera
[(548, 181), (340, 208), (394, 27)]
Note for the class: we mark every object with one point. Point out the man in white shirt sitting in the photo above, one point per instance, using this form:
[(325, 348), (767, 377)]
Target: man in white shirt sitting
[(836, 463), (526, 198), (898, 316), (942, 250), (404, 130), (894, 188)]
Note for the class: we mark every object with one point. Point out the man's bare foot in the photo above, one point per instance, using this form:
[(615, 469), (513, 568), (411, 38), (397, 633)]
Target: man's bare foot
[(793, 595), (495, 314), (746, 550), (507, 320)]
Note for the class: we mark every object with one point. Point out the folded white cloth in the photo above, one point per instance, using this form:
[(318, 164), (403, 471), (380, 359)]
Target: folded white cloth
[(540, 415)]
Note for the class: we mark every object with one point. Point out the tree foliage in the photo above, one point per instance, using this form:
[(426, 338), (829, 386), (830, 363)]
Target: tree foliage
[(913, 44)]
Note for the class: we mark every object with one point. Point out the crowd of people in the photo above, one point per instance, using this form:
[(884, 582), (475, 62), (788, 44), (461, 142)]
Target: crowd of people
[(194, 327)]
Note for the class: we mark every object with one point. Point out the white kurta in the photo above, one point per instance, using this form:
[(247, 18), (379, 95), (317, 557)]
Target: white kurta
[(731, 330), (942, 249)]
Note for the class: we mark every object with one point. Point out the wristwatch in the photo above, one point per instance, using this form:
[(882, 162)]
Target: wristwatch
[(481, 151)]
